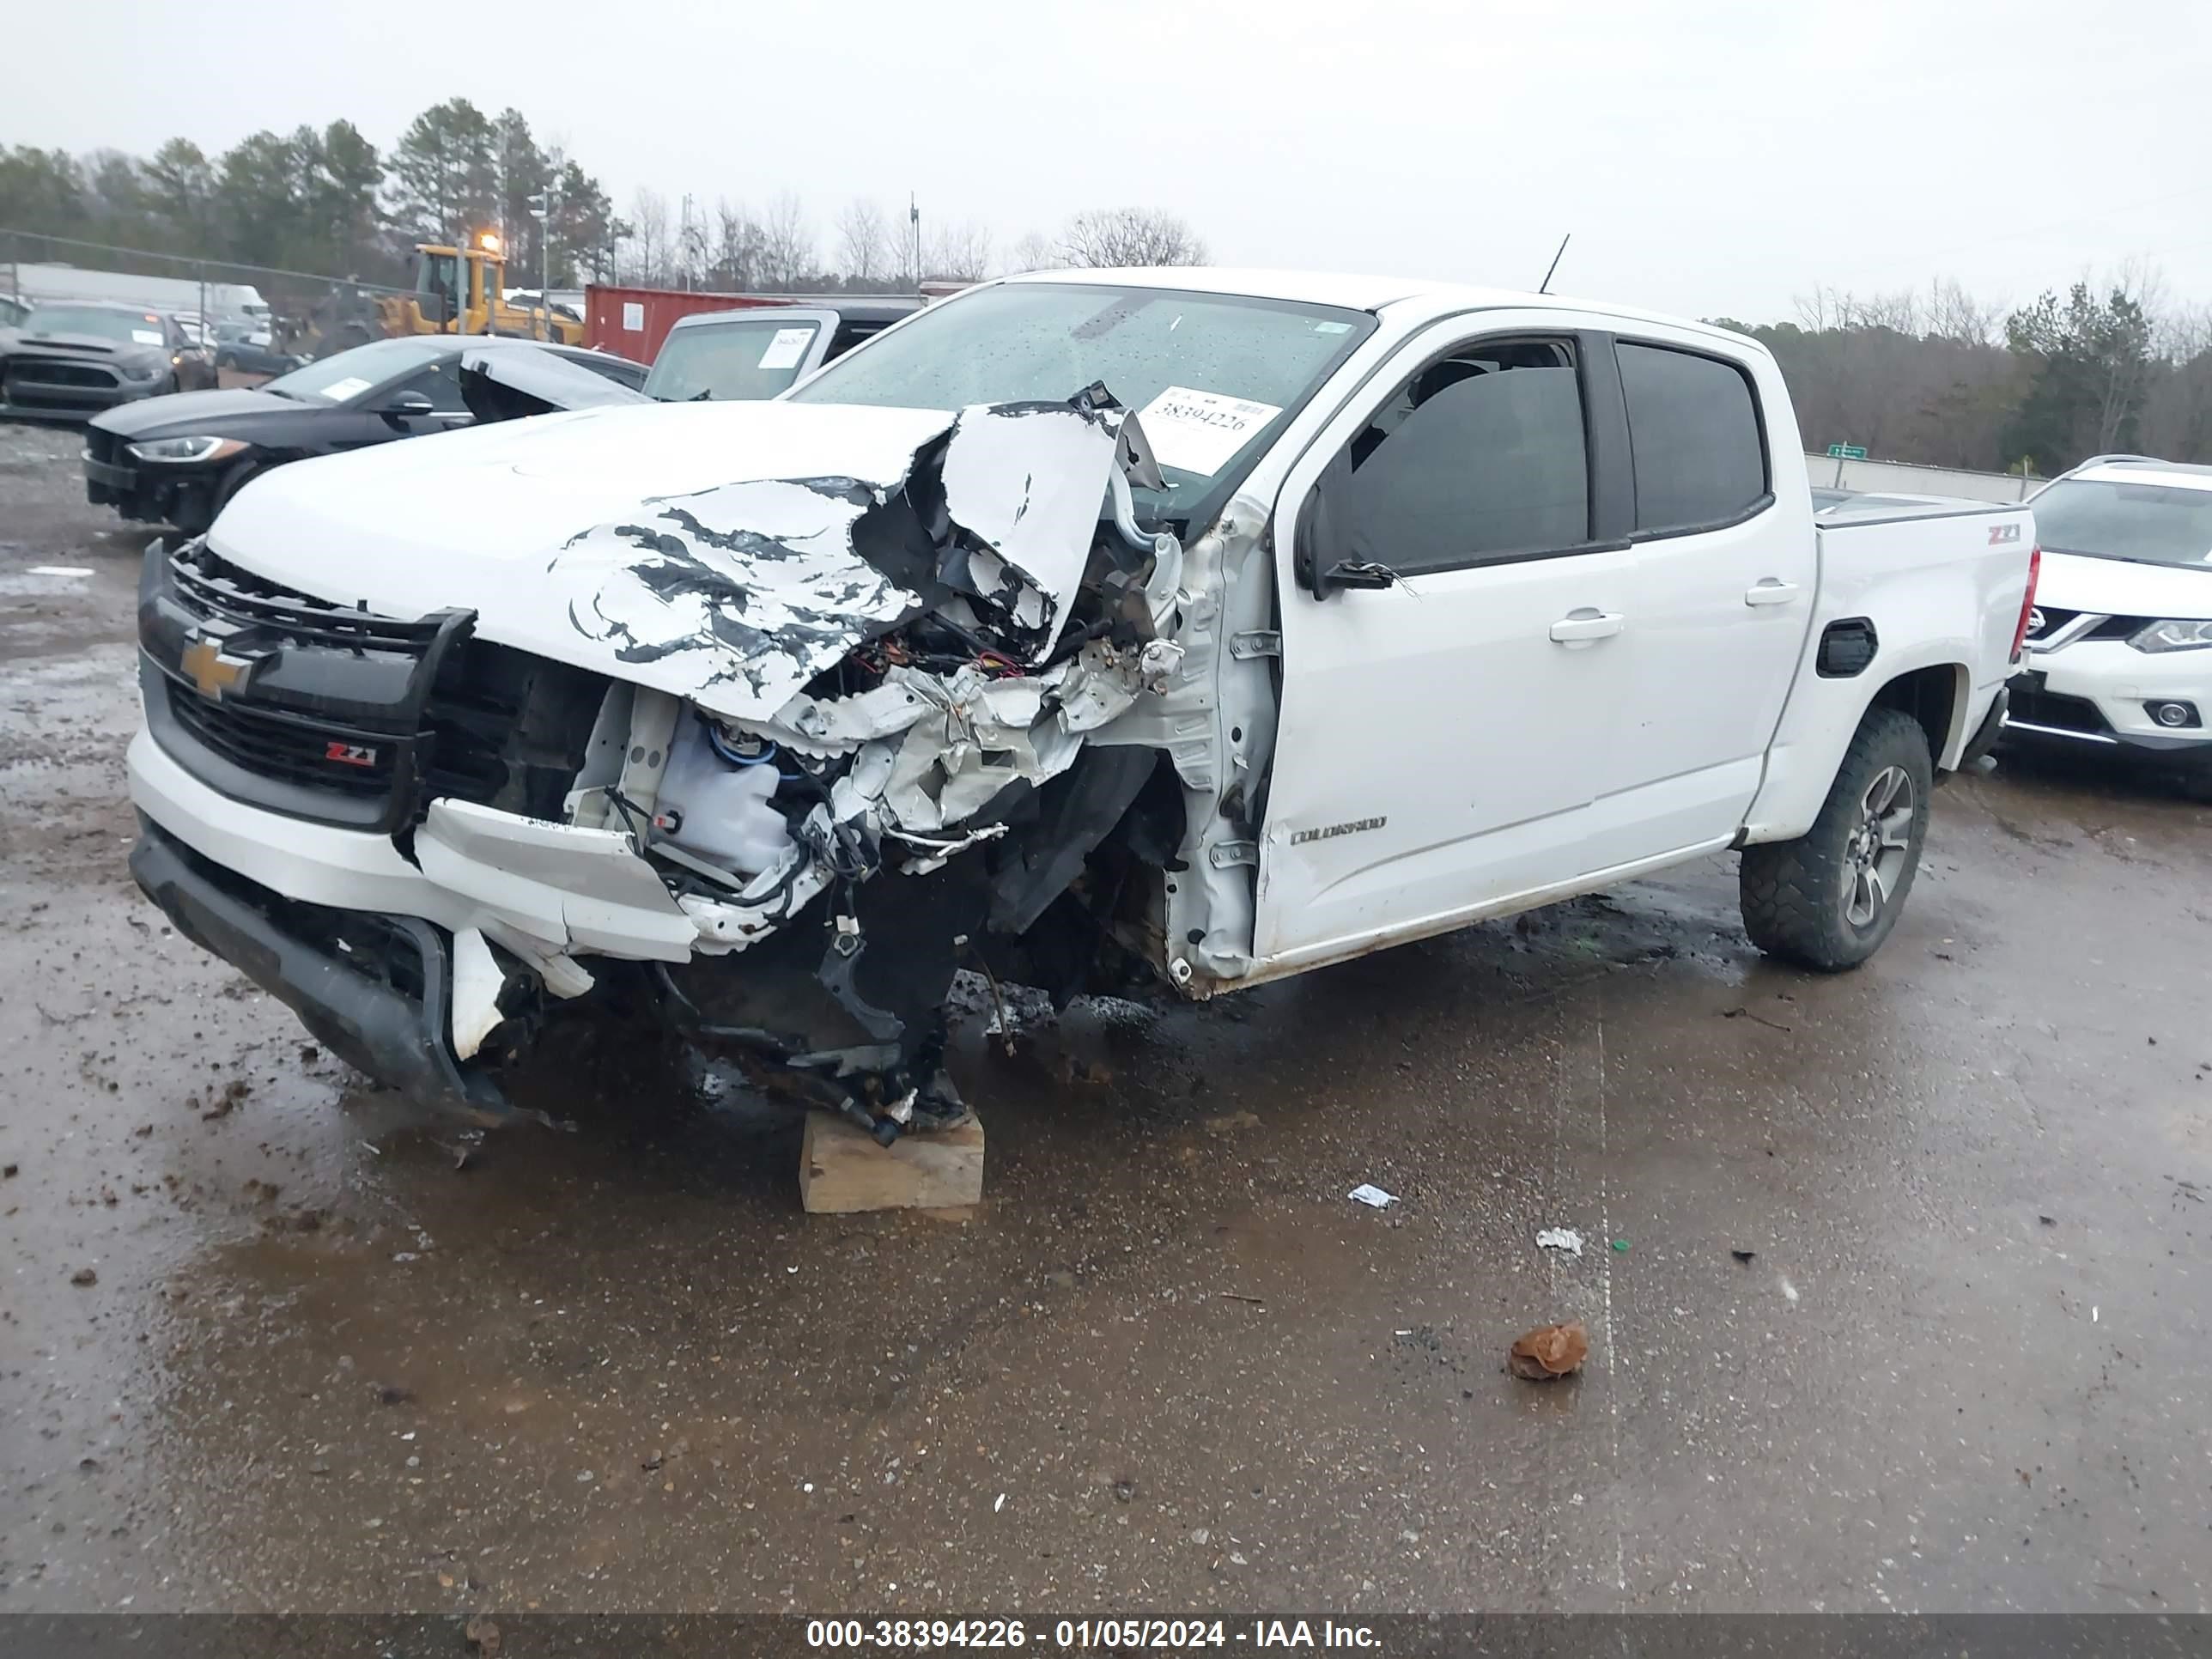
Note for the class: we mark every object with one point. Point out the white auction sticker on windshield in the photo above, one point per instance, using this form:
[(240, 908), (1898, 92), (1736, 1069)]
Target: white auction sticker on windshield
[(1199, 431), (146, 336), (339, 391), (787, 349)]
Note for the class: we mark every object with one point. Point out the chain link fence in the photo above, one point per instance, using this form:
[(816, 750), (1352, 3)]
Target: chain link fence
[(254, 321)]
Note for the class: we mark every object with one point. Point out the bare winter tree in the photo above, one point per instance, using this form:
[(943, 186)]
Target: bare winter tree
[(2126, 385), (1129, 236), (864, 243), (1032, 253), (1839, 308), (787, 254), (650, 251), (736, 267), (1955, 315), (961, 252), (1912, 376)]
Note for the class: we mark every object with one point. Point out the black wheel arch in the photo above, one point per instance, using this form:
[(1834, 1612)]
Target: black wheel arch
[(1935, 696)]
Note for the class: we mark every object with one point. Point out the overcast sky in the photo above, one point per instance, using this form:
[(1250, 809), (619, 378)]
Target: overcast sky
[(1716, 157)]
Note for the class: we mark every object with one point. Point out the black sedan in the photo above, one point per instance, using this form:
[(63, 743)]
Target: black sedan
[(176, 460), (77, 358)]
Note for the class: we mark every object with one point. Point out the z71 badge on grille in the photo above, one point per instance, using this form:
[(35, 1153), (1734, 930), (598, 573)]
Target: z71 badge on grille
[(350, 754)]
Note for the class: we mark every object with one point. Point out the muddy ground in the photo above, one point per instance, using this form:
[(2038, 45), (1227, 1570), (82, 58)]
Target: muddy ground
[(1896, 1283)]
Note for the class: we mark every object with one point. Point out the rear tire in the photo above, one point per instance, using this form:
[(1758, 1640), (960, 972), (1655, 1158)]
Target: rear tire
[(1827, 900)]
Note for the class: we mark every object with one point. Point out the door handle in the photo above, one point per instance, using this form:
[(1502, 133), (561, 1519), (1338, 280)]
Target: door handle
[(1585, 625), (1770, 590)]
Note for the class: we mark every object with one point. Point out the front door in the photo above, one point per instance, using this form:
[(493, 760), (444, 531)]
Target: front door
[(1443, 737)]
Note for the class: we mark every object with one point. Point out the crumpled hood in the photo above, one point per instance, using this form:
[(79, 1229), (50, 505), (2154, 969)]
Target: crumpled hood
[(2124, 587), (726, 553)]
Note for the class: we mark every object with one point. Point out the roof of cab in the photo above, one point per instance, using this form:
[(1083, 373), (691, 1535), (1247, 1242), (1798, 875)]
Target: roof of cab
[(1362, 292)]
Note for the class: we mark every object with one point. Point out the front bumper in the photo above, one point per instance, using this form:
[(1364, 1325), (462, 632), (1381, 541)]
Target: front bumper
[(24, 397), (173, 494), (374, 990), (2098, 695), (541, 889)]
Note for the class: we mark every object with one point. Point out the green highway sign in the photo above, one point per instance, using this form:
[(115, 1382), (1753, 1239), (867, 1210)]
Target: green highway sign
[(1847, 452)]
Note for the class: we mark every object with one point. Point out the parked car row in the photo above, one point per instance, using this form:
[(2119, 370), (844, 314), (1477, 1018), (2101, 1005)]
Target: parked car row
[(177, 461)]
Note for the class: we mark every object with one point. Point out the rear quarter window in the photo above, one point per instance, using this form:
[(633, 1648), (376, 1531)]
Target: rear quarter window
[(1693, 427)]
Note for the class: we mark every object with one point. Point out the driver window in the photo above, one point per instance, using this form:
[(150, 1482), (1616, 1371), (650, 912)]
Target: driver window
[(1479, 457), (441, 384)]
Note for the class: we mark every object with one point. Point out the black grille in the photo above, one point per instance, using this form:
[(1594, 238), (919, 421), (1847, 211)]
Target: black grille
[(2051, 708), (2054, 621), (212, 587), (285, 747), (316, 710), (40, 371), (104, 446), (342, 716)]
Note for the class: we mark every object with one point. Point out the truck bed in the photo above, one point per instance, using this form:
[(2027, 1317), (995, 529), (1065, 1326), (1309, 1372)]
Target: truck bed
[(1935, 584)]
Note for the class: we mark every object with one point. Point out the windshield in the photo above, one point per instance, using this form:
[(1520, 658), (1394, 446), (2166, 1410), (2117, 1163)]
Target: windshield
[(124, 327), (349, 373), (2150, 523), (1213, 376), (732, 360)]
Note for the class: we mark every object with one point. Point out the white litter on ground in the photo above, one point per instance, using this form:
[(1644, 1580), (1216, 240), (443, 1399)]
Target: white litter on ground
[(1560, 1238), (1373, 1196), (61, 570), (1788, 1289)]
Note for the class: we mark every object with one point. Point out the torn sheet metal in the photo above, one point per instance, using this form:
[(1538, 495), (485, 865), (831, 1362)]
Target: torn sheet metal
[(571, 888), (477, 983), (1027, 481), (962, 738), (738, 595)]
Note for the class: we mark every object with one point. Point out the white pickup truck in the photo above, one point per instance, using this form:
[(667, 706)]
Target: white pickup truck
[(1171, 630)]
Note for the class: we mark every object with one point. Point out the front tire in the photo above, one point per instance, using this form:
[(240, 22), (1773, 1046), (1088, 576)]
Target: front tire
[(1827, 900), (195, 523)]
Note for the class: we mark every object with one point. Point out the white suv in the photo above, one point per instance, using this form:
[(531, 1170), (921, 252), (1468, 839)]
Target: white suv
[(2119, 647)]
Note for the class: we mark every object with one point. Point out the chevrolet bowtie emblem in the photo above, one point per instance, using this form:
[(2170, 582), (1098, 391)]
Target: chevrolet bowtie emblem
[(206, 666)]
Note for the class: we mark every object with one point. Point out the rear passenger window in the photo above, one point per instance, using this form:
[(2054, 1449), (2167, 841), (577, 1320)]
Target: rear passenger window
[(1694, 431), (1479, 457)]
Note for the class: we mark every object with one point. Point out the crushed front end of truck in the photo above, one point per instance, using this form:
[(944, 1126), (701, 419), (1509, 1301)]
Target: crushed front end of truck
[(781, 753)]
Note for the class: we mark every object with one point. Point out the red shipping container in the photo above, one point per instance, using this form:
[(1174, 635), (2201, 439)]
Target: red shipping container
[(632, 322)]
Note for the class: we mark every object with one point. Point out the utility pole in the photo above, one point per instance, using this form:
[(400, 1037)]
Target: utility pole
[(541, 209), (914, 224)]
